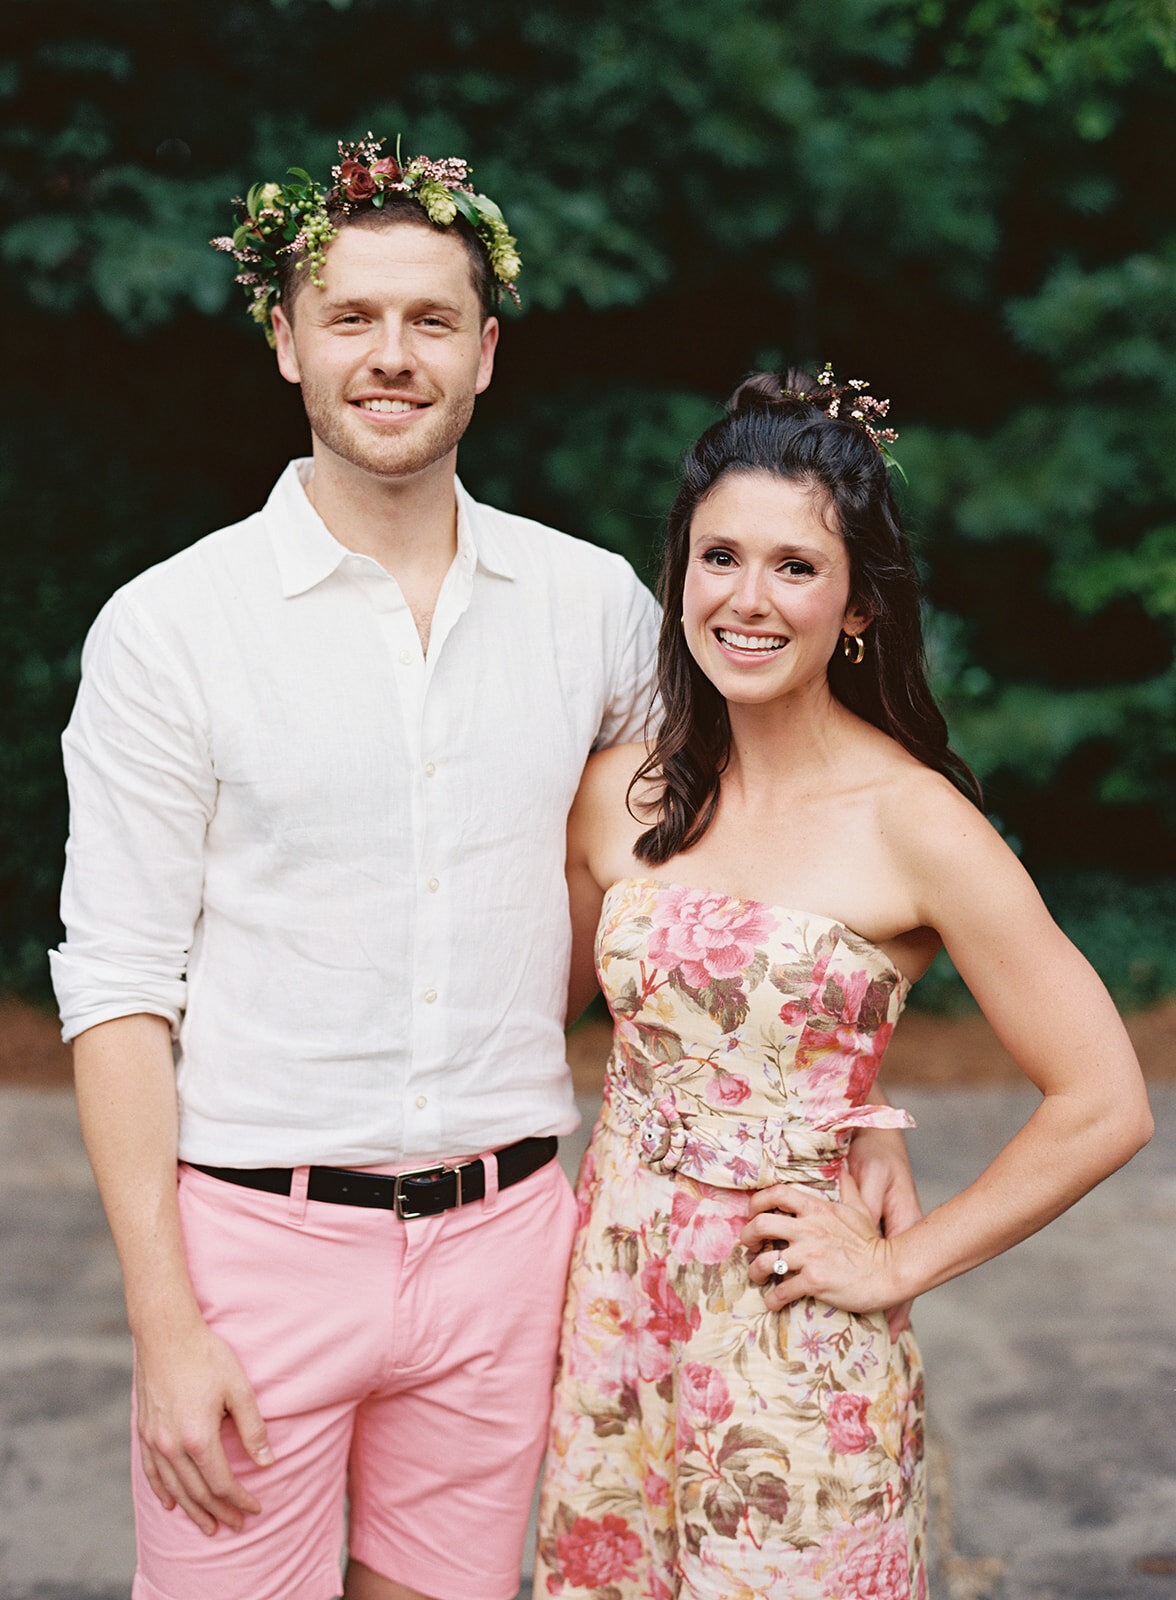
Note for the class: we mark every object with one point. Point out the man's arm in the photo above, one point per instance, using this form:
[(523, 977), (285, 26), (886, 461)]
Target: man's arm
[(635, 618), (187, 1379), (142, 792)]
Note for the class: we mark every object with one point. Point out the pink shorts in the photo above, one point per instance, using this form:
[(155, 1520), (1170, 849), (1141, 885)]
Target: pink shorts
[(404, 1366)]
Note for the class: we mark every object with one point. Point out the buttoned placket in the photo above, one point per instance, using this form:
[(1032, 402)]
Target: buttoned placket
[(430, 938)]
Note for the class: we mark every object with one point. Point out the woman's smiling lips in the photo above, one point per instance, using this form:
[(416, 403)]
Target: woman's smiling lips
[(750, 644)]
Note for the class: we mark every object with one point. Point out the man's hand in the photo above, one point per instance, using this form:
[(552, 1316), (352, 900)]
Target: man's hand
[(183, 1394), (880, 1166)]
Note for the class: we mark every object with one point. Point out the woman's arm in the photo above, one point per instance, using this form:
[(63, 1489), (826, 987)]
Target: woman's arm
[(584, 901), (1052, 1013), (590, 823), (601, 835), (880, 1165)]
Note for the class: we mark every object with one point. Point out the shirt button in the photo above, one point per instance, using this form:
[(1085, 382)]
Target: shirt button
[(430, 996), (421, 1102), (430, 769), (433, 885), (406, 658)]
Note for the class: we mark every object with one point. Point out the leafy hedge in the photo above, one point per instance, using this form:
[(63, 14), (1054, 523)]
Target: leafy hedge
[(966, 201)]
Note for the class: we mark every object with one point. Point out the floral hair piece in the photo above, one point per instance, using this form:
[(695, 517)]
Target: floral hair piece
[(859, 407), (279, 218)]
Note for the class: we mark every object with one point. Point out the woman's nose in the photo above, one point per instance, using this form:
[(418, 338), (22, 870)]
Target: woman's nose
[(751, 593)]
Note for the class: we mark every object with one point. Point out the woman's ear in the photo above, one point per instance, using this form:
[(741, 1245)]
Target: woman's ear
[(856, 620)]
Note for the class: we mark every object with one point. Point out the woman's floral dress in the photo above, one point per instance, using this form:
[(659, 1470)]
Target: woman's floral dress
[(701, 1445)]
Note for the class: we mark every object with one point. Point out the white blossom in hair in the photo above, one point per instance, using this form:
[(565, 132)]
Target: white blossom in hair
[(864, 409)]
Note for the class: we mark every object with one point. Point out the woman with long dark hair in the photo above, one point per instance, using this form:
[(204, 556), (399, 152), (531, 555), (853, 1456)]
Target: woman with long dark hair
[(734, 1416)]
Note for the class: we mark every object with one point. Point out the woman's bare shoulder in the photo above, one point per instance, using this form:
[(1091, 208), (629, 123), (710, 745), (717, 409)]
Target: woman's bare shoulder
[(955, 861), (611, 811), (609, 773), (924, 813)]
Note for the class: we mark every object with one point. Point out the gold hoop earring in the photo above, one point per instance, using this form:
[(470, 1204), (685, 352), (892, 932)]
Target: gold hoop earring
[(855, 648)]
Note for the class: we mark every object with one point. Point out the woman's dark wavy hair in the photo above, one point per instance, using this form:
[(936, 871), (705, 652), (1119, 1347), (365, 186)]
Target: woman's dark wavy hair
[(780, 424)]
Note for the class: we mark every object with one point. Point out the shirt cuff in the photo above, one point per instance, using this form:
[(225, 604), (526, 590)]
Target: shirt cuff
[(91, 991)]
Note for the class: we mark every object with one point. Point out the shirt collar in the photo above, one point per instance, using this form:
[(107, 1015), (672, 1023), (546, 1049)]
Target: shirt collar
[(307, 552), (477, 535)]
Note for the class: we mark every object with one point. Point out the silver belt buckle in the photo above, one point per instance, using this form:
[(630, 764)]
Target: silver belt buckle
[(421, 1172)]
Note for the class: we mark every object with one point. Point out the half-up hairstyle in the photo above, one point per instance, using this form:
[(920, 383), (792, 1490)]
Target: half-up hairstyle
[(792, 427)]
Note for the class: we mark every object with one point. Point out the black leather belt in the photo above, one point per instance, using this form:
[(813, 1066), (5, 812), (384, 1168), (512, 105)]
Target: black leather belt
[(425, 1193)]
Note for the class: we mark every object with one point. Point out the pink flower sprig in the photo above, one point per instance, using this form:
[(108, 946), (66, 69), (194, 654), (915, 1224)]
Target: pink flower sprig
[(864, 409)]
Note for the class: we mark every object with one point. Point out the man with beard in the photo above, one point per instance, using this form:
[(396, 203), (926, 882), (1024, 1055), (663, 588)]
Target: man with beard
[(317, 941)]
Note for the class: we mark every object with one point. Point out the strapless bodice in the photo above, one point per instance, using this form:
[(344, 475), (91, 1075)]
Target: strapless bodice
[(747, 1035)]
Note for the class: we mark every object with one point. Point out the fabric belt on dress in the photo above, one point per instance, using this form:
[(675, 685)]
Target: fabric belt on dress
[(424, 1193)]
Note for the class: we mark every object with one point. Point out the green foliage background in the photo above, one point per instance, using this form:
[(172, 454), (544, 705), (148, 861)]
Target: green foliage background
[(968, 202)]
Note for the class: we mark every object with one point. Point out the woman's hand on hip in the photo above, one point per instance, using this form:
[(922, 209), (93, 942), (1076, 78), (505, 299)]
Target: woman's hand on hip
[(832, 1249)]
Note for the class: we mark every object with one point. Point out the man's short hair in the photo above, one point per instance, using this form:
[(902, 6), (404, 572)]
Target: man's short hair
[(397, 209)]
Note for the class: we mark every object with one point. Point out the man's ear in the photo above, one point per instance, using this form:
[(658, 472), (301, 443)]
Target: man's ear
[(284, 346), (486, 363)]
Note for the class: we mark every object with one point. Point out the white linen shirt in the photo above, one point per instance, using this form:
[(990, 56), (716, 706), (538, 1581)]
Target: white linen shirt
[(335, 864)]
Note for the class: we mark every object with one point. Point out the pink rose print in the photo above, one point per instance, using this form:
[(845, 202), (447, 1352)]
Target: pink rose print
[(854, 989), (595, 1553), (819, 972), (706, 1229), (584, 1187), (873, 1566), (727, 1089), (666, 1323), (706, 936), (703, 1394), (849, 1431), (840, 1064), (794, 1013), (865, 1067), (655, 1488), (600, 1339)]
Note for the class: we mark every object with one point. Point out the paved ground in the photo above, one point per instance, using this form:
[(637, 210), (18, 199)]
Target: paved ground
[(1052, 1374)]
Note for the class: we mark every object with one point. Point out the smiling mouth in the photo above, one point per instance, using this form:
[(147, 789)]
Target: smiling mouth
[(760, 644), (390, 406)]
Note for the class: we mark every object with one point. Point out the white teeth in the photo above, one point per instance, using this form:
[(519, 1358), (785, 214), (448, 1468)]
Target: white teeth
[(387, 405), (761, 643)]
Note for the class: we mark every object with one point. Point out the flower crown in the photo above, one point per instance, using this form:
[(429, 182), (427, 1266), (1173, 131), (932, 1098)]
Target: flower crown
[(279, 218), (861, 408)]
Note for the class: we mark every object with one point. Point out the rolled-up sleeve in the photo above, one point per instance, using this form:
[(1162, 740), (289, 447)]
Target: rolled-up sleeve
[(142, 790), (634, 664)]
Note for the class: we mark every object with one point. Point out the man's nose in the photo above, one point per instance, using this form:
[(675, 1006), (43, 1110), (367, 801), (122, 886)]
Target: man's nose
[(389, 351)]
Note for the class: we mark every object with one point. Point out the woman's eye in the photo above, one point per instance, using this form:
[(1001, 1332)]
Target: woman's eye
[(718, 558), (797, 569)]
